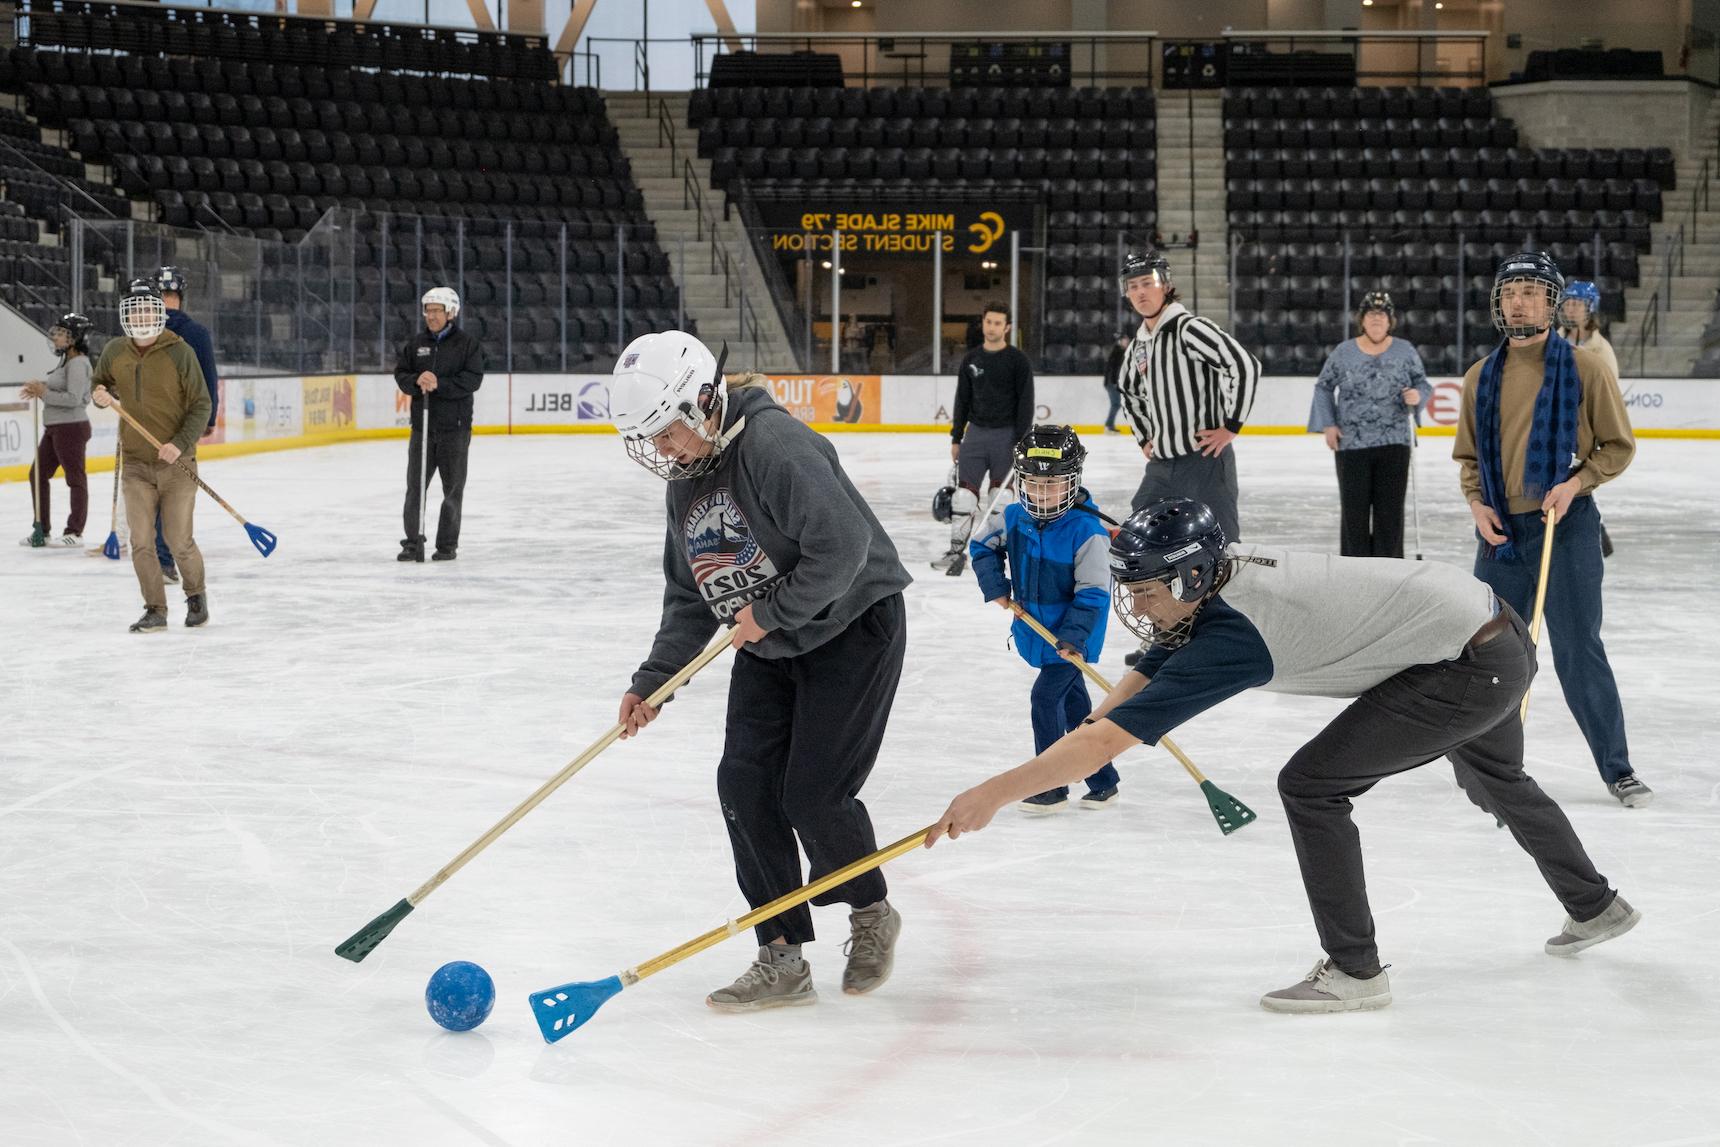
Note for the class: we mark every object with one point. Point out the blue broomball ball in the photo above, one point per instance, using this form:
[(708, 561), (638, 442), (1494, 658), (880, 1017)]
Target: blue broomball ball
[(460, 996)]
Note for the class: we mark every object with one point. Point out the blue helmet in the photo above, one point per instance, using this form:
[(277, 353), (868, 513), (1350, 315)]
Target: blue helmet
[(1584, 292), (1532, 267)]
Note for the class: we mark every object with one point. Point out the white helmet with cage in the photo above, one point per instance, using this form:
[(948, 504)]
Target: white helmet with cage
[(445, 297), (142, 314), (663, 380)]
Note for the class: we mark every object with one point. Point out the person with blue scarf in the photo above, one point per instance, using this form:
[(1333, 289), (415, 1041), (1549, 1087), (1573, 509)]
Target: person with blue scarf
[(1542, 425)]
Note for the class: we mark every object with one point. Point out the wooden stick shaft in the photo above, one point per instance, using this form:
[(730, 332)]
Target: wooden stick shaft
[(1098, 679), (656, 699), (759, 915), (1540, 599), (179, 462)]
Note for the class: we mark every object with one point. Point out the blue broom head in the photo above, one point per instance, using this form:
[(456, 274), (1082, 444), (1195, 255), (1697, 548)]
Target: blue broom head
[(261, 538), (560, 1011)]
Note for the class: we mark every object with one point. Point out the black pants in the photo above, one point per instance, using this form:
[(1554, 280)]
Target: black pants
[(803, 733), (1371, 485), (1465, 709), (449, 446), (1211, 481)]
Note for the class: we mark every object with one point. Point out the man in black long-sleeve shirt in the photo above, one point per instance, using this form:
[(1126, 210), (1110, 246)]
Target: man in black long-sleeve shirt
[(993, 410), (441, 367)]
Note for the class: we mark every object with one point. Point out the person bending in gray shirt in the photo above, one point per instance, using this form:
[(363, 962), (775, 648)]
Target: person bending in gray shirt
[(1437, 667), (767, 533)]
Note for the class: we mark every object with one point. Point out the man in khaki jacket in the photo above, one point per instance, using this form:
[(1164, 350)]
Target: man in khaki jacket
[(155, 376), (1542, 426)]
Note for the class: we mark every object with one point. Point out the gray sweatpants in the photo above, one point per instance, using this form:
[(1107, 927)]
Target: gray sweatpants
[(1208, 480), (1464, 709), (985, 450)]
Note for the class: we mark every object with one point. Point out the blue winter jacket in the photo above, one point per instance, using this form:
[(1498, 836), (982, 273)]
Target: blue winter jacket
[(1059, 572), (196, 336)]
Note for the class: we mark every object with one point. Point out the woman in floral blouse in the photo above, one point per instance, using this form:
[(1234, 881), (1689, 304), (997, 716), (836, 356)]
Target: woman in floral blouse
[(1363, 398)]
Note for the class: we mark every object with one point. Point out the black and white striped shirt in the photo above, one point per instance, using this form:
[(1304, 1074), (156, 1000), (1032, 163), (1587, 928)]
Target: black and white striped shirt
[(1186, 377)]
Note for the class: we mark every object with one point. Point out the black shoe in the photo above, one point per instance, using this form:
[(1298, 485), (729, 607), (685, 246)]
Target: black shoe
[(1606, 543), (1042, 803), (442, 556), (410, 553), (196, 610), (170, 575), (152, 621), (1131, 657)]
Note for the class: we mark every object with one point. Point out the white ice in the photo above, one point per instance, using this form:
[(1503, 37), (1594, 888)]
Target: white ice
[(190, 822)]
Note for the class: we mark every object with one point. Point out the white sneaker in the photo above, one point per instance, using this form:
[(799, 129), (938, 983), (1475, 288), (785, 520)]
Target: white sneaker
[(67, 541), (1618, 919), (1329, 989)]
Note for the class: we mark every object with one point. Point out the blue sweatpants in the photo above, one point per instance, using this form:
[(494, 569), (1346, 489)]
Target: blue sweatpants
[(1060, 702), (1572, 618)]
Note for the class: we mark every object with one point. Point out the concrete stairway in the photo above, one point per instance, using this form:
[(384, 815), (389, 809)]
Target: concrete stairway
[(658, 171), (1695, 279), (1191, 198)]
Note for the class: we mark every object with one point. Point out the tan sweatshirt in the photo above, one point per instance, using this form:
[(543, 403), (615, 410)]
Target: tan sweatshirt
[(161, 386), (1605, 444)]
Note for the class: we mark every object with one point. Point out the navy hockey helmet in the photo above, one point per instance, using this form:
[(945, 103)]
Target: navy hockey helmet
[(77, 328), (1176, 541), (1046, 453), (171, 280), (1537, 269)]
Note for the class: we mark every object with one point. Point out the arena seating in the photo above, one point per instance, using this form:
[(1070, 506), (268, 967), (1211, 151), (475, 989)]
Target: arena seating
[(266, 148), (1415, 177), (1091, 151)]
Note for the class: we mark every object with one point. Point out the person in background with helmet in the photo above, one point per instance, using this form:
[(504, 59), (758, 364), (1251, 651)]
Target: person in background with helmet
[(64, 395), (155, 377), (441, 367), (1053, 540), (1188, 387), (1364, 391), (1435, 664), (767, 534), (1542, 424), (1580, 321), (171, 282)]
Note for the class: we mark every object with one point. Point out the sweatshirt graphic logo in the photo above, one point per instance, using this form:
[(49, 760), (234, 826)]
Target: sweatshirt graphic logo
[(730, 566)]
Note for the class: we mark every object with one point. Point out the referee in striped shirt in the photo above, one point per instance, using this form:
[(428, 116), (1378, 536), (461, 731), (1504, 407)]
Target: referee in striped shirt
[(1188, 387)]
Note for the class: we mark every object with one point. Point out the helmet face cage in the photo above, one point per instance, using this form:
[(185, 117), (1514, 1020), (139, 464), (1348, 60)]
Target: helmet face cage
[(1537, 271), (1049, 457), (1123, 604), (142, 316), (695, 414)]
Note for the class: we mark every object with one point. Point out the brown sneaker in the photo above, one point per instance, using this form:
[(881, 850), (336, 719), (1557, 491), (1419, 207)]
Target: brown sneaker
[(871, 947), (775, 980)]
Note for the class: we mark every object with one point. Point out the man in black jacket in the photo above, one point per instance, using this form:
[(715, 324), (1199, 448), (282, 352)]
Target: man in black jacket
[(441, 368)]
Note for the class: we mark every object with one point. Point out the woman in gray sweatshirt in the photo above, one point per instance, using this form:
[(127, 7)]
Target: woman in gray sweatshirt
[(1362, 400), (65, 398)]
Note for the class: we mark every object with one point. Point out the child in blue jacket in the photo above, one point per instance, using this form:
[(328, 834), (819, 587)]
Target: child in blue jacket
[(1056, 547)]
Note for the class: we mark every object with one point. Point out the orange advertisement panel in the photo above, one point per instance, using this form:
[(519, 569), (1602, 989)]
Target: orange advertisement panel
[(854, 399), (329, 404)]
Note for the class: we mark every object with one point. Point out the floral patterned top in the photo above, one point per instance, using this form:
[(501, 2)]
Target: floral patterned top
[(1363, 395)]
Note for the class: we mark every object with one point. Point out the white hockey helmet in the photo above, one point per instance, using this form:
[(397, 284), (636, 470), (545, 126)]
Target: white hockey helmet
[(446, 297), (664, 379)]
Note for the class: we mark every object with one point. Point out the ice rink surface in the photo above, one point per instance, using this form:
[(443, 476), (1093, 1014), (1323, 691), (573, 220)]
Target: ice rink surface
[(190, 822)]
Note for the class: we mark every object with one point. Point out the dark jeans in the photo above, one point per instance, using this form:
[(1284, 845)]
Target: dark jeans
[(1208, 480), (802, 736), (1464, 709), (1060, 702), (449, 448), (62, 448), (1371, 485), (1572, 616), (1116, 398)]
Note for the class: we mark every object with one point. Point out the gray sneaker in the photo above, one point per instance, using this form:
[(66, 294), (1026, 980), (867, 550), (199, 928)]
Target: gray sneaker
[(153, 621), (1329, 989), (1618, 919), (1631, 793), (871, 947), (772, 982)]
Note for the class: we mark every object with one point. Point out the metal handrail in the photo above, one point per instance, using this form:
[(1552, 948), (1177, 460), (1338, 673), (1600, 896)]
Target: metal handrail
[(692, 198), (666, 128), (776, 281), (1650, 325), (64, 183)]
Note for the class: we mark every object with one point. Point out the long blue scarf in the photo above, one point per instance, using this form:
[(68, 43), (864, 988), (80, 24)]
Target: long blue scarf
[(1552, 452)]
